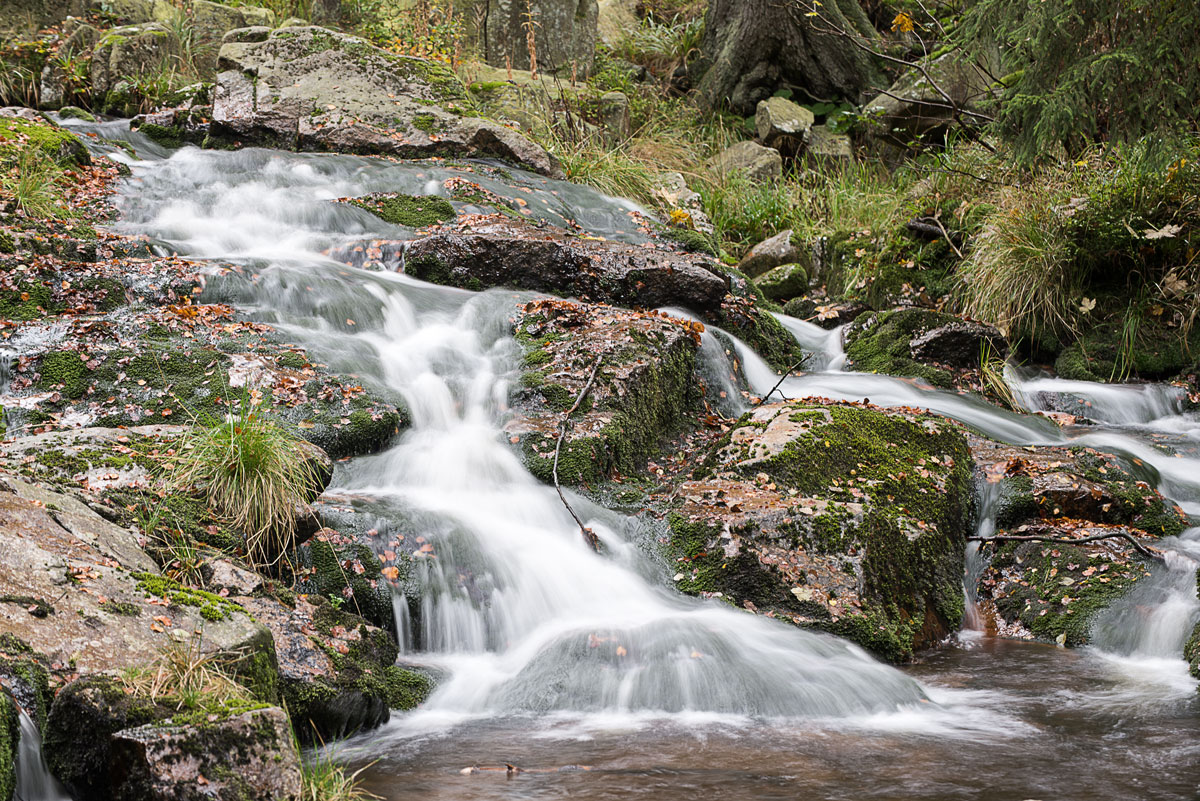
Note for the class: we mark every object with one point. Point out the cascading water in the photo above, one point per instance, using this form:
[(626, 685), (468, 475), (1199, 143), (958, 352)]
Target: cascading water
[(551, 655), (34, 780)]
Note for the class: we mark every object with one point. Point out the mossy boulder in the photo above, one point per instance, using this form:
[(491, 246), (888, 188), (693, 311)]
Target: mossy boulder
[(341, 568), (338, 672), (919, 343), (1107, 353), (784, 282), (643, 393), (35, 133), (1053, 591), (844, 517), (1191, 652), (888, 268), (248, 756)]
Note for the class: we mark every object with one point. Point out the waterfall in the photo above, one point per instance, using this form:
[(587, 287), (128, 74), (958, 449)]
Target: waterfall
[(34, 780)]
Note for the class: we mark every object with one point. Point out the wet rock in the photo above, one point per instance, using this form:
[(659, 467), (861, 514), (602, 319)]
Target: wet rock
[(783, 282), (1191, 652), (497, 251), (759, 164), (249, 757), (771, 253), (316, 89), (1053, 591), (782, 124), (884, 343), (644, 390), (337, 673), (958, 344), (842, 517), (341, 565), (25, 675)]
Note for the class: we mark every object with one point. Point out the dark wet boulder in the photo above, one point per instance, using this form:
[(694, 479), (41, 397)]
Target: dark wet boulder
[(247, 756), (503, 252), (644, 391), (958, 343), (846, 518), (309, 88), (824, 312), (920, 343), (337, 672)]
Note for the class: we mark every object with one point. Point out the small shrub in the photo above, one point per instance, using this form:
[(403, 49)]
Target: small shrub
[(35, 185)]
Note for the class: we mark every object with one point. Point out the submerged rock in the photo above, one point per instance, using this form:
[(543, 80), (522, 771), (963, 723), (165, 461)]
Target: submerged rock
[(846, 518), (315, 89)]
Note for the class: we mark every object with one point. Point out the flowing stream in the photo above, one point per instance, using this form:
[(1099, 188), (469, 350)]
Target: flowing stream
[(687, 696)]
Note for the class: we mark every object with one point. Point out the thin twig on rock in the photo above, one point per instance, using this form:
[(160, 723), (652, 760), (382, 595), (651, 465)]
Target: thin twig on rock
[(1137, 546), (786, 375), (589, 536)]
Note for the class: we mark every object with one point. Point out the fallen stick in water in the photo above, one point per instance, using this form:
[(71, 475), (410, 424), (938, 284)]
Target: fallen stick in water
[(512, 770), (589, 536)]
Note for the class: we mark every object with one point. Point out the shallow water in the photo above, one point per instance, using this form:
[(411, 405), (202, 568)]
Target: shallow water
[(552, 656)]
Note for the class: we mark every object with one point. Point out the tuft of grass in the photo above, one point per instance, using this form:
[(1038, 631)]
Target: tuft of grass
[(254, 473), (326, 780), (35, 185), (184, 675)]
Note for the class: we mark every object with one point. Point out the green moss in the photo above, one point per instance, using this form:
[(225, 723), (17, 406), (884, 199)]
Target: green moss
[(881, 344), (292, 360), (1062, 588), (66, 371), (212, 607), (161, 134), (693, 241), (413, 211), (427, 123), (1136, 503), (9, 738), (76, 113), (122, 608), (29, 301), (1191, 652), (406, 689), (364, 591), (1157, 352), (885, 271), (52, 141)]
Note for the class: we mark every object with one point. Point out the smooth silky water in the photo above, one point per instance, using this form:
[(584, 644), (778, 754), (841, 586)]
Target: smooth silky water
[(706, 700)]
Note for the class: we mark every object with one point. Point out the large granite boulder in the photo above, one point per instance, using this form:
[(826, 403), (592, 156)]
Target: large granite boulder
[(310, 88), (498, 251), (782, 124), (125, 53), (841, 517), (759, 164)]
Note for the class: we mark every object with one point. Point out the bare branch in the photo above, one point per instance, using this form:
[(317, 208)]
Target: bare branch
[(589, 536), (1137, 546)]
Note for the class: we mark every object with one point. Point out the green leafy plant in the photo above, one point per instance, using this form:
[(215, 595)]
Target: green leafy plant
[(254, 473)]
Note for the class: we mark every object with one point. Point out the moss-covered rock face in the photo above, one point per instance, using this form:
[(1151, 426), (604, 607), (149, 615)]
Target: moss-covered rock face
[(1191, 652), (347, 571), (889, 269), (1147, 350), (1053, 591), (846, 518), (920, 343), (784, 282), (413, 211), (9, 738), (338, 672), (642, 393)]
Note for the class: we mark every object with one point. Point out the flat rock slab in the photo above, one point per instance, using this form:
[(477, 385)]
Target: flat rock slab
[(310, 88)]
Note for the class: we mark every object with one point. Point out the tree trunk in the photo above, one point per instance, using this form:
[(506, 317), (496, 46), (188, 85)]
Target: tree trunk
[(753, 48)]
